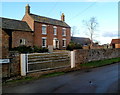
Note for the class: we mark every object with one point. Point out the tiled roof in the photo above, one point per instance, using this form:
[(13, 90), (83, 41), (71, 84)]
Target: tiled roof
[(81, 40), (14, 24), (115, 41), (47, 20)]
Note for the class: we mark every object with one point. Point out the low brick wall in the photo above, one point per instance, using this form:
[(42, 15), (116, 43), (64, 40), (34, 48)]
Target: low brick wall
[(82, 56), (12, 68)]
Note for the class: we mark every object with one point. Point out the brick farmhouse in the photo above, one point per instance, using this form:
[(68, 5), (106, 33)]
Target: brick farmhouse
[(34, 30), (48, 31)]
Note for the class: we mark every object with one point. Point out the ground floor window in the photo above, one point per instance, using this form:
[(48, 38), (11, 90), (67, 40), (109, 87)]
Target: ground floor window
[(43, 41), (64, 42), (22, 41)]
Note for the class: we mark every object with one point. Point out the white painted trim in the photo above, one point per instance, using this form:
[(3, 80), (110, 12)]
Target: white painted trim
[(45, 41), (65, 42), (72, 59), (64, 28), (64, 31), (46, 29), (44, 25), (64, 39), (44, 37), (23, 64), (54, 27)]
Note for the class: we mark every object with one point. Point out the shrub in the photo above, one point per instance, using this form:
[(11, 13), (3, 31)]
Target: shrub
[(23, 49), (73, 45), (39, 50), (29, 49)]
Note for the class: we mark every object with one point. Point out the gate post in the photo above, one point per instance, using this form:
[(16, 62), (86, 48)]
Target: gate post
[(72, 59), (23, 63)]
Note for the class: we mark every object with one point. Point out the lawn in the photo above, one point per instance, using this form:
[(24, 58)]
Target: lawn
[(101, 62)]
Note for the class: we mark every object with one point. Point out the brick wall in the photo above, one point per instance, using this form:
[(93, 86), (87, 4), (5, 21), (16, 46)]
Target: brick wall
[(12, 68), (17, 35), (29, 21), (5, 44), (82, 56), (50, 36), (117, 45)]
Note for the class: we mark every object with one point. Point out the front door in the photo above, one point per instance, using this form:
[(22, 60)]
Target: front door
[(56, 43)]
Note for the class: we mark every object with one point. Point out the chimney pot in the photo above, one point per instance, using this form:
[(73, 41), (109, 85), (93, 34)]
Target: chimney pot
[(27, 9), (63, 17)]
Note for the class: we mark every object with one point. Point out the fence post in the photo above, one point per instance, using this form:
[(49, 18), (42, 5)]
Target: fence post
[(72, 59), (23, 61)]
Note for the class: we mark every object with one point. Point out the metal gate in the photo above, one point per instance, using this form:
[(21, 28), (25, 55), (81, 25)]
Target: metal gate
[(46, 61)]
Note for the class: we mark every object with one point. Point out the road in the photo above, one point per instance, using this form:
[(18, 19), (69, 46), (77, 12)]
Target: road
[(97, 80)]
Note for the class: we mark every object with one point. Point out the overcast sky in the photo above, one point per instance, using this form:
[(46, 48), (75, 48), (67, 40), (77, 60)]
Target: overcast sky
[(106, 14)]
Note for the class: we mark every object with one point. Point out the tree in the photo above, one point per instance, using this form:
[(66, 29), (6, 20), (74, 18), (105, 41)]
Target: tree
[(74, 31), (91, 25)]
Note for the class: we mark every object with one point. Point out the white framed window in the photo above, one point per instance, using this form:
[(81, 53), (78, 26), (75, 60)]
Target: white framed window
[(64, 42), (22, 41), (44, 41), (55, 30), (64, 32), (44, 29)]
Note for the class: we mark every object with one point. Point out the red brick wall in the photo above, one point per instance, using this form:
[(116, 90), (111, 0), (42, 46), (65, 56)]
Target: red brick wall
[(50, 36), (117, 45), (17, 35), (29, 21)]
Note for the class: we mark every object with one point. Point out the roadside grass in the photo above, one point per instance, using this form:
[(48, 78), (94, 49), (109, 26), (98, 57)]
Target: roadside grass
[(85, 65), (53, 74), (18, 80), (100, 62), (29, 78)]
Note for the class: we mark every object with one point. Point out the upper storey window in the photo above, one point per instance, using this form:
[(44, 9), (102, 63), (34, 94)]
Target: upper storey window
[(55, 30), (64, 32), (44, 29)]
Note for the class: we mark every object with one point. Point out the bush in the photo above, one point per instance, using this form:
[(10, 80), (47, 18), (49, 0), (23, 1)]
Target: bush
[(29, 49), (23, 49), (39, 50), (73, 46)]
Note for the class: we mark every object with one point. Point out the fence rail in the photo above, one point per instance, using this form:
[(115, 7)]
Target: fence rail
[(45, 61)]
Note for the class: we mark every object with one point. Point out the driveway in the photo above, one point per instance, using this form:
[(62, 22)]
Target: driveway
[(97, 80)]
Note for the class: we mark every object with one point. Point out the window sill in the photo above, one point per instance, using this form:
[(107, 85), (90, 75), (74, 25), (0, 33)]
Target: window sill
[(44, 34), (43, 46)]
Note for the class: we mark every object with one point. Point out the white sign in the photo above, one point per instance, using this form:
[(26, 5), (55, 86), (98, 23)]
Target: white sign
[(4, 60)]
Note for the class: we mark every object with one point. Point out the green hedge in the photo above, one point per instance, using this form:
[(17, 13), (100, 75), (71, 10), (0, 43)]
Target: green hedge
[(73, 46), (29, 49)]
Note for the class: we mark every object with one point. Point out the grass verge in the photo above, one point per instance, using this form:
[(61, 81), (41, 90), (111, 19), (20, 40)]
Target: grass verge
[(29, 78), (53, 74), (100, 62)]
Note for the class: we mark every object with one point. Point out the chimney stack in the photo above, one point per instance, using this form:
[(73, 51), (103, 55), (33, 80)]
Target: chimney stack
[(63, 17), (27, 11)]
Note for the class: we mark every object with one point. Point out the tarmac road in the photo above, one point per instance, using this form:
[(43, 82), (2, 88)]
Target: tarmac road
[(97, 80)]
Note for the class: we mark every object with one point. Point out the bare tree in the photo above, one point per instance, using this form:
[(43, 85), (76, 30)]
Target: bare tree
[(74, 30), (91, 25)]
